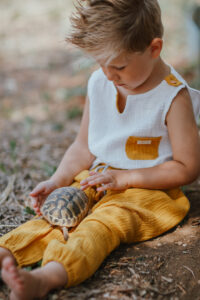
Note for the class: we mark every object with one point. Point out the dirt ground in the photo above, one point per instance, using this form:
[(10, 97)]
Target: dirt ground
[(42, 94)]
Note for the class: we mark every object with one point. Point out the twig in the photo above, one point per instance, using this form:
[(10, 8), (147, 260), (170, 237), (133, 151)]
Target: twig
[(132, 271), (167, 279), (9, 225), (154, 289), (190, 271), (192, 189), (8, 189), (195, 222), (181, 288), (126, 290)]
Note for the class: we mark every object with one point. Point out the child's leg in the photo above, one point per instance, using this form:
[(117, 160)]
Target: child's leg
[(35, 284), (27, 243), (126, 217)]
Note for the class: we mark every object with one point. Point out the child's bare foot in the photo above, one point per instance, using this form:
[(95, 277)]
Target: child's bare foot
[(30, 285), (19, 281)]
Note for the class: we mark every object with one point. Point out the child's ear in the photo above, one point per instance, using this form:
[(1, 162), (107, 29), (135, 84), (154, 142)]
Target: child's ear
[(156, 47)]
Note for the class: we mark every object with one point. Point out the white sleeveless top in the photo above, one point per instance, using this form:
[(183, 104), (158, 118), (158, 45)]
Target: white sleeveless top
[(137, 137)]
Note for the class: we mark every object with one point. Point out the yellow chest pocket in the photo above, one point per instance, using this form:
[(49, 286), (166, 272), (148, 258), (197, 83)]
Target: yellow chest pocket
[(142, 148)]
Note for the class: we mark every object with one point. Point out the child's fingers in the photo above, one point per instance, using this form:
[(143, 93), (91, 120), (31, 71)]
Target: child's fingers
[(99, 180), (93, 173), (43, 188), (34, 201), (105, 187), (84, 187), (93, 177), (37, 190), (88, 179), (38, 212), (91, 182), (83, 182), (88, 183)]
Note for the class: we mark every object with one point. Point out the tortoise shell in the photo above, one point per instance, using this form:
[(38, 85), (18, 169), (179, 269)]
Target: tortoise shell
[(65, 207)]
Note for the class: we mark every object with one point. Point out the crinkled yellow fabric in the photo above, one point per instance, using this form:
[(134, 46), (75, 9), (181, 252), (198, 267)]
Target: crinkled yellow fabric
[(127, 216)]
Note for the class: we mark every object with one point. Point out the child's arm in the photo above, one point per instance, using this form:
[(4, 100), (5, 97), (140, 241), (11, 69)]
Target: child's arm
[(76, 158), (183, 169)]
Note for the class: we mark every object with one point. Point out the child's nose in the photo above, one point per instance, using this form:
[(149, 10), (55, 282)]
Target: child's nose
[(111, 74)]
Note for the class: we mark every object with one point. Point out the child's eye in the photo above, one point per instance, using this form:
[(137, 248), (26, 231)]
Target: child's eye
[(120, 68)]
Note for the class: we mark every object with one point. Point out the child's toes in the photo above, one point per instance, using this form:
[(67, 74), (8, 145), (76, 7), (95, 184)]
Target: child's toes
[(10, 273), (7, 264)]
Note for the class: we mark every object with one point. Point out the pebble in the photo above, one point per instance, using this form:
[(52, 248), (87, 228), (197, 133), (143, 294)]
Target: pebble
[(142, 293), (167, 279), (179, 243), (159, 244), (54, 297)]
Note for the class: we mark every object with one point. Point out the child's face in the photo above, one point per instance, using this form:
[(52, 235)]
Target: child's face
[(130, 71)]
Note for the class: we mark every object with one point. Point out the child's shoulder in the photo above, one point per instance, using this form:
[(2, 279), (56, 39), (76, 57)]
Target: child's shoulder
[(187, 92), (97, 77), (97, 84)]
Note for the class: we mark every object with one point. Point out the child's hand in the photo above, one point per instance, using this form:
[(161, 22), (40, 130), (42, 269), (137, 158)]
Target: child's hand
[(109, 180), (40, 193)]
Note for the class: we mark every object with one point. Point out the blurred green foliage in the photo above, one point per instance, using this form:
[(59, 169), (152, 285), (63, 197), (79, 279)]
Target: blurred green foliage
[(13, 146), (46, 96), (29, 211), (74, 112), (28, 125), (57, 126), (49, 170), (2, 167), (68, 93)]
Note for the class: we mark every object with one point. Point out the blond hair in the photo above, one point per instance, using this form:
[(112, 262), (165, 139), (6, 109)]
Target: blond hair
[(105, 28)]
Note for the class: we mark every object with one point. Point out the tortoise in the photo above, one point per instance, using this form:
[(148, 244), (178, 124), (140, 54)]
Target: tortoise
[(65, 207)]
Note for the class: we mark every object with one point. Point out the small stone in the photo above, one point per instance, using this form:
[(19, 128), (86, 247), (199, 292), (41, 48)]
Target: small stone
[(105, 295), (184, 245), (159, 244), (179, 243), (54, 297), (167, 279), (142, 293)]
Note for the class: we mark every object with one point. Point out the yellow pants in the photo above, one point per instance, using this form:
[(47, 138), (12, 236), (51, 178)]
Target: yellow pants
[(126, 216)]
